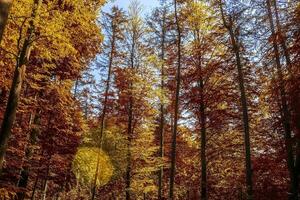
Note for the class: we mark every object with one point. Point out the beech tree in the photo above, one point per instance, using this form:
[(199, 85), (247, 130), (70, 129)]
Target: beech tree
[(14, 95), (115, 27), (177, 93), (158, 24), (228, 22)]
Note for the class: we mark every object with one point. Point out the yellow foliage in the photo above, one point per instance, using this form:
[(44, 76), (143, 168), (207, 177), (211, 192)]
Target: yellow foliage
[(199, 16), (6, 195), (85, 166)]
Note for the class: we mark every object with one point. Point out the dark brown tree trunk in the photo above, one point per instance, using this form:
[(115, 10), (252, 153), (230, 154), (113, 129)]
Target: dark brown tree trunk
[(202, 119), (34, 187), (176, 108), (23, 182), (15, 91), (203, 145), (107, 88), (129, 138), (295, 104), (162, 108), (10, 112), (245, 119), (130, 123), (5, 6), (243, 99), (285, 113)]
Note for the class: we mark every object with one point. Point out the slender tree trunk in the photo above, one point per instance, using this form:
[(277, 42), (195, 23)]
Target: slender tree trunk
[(94, 185), (203, 131), (10, 112), (76, 87), (161, 153), (202, 119), (284, 110), (5, 6), (283, 37), (23, 182), (245, 120), (243, 99), (162, 109), (44, 195), (176, 108), (130, 119), (34, 188), (245, 123), (129, 138), (15, 91), (45, 188), (203, 154), (86, 107), (107, 88), (103, 117)]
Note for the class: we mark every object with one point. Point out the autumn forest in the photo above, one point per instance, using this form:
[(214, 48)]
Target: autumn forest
[(191, 99)]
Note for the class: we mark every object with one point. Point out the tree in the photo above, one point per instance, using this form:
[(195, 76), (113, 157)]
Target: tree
[(158, 25), (14, 95), (284, 107), (228, 22), (54, 58), (114, 27), (177, 93), (131, 83)]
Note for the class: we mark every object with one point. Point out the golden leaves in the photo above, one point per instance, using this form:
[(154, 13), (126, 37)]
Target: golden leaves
[(88, 161), (5, 194)]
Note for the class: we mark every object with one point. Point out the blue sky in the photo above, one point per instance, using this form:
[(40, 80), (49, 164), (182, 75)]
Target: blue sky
[(147, 4)]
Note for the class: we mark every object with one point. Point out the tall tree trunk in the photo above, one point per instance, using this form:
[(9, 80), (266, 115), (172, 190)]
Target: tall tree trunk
[(15, 91), (203, 145), (243, 99), (103, 117), (129, 140), (202, 119), (285, 113), (22, 183), (34, 187), (295, 104), (176, 108), (5, 6), (130, 116), (162, 108)]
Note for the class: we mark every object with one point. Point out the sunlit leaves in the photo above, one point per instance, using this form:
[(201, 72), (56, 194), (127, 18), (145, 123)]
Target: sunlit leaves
[(88, 161)]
